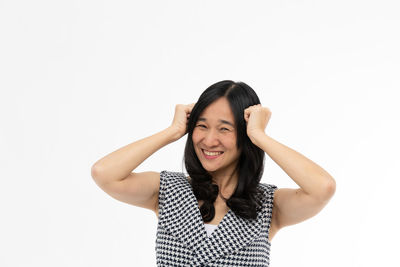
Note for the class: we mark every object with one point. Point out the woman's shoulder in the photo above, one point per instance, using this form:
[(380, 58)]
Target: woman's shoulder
[(267, 188), (174, 175), (267, 185)]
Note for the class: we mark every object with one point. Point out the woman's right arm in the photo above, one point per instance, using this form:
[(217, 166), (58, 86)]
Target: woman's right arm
[(113, 173)]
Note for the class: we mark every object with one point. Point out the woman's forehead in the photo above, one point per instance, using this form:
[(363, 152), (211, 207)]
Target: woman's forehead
[(218, 112)]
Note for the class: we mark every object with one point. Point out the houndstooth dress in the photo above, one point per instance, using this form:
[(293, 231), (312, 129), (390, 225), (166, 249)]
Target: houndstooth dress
[(182, 238)]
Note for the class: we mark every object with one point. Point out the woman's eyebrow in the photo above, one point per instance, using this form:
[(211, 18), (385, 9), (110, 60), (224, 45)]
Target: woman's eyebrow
[(221, 121)]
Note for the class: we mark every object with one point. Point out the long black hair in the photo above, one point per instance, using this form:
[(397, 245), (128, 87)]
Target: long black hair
[(244, 202)]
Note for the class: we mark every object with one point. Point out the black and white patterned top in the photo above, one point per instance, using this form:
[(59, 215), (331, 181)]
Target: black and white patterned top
[(182, 238)]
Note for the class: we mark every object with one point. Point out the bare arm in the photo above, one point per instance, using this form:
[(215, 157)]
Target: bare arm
[(312, 179), (317, 186), (113, 173), (117, 165)]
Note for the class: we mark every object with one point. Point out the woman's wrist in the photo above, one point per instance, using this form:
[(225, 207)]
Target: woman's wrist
[(172, 133), (257, 138)]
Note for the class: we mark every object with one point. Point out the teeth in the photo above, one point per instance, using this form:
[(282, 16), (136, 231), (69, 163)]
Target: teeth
[(211, 153)]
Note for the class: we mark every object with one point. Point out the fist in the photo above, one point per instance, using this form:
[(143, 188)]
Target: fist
[(256, 118), (181, 118)]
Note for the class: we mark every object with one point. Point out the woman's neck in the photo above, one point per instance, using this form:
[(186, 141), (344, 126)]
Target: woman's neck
[(227, 183)]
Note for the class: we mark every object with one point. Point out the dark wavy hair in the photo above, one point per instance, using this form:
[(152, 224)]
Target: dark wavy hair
[(245, 201)]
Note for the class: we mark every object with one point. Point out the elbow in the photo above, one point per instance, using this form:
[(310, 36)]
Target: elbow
[(331, 186), (329, 190), (95, 172)]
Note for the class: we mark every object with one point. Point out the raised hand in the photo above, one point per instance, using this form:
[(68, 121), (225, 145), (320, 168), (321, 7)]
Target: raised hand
[(256, 118), (181, 118)]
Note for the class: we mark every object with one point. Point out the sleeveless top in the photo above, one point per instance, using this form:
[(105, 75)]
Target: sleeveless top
[(182, 239)]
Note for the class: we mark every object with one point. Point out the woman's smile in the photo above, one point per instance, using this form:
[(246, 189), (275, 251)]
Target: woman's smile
[(211, 154)]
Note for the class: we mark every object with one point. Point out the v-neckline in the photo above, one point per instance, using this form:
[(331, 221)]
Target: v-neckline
[(200, 218), (221, 223)]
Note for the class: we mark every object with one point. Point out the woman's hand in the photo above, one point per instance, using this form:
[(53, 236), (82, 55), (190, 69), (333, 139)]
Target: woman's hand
[(256, 118), (181, 118)]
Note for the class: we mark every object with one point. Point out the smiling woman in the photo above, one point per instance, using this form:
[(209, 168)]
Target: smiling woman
[(212, 138), (225, 166), (221, 214)]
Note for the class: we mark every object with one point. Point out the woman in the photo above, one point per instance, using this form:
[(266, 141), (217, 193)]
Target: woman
[(220, 215)]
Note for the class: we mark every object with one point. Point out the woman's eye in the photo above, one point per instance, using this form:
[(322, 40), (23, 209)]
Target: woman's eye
[(203, 126)]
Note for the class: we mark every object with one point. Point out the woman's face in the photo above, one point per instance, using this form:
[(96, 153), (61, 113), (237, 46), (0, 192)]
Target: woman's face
[(214, 138)]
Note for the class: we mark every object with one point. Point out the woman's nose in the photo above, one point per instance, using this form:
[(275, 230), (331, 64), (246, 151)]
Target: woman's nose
[(211, 139)]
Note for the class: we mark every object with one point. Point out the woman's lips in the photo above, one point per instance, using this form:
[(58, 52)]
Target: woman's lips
[(211, 156)]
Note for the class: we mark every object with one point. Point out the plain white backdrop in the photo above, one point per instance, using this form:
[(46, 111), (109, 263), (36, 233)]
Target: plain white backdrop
[(80, 79)]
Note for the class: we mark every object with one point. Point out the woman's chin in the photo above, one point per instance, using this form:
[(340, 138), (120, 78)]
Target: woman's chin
[(210, 168)]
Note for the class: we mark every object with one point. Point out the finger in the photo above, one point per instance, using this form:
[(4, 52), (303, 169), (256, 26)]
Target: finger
[(188, 108), (191, 106), (246, 115)]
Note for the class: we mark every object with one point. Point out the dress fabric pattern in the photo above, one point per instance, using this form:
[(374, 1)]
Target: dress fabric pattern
[(182, 239)]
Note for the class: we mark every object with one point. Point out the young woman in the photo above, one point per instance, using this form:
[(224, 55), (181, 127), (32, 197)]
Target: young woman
[(220, 214)]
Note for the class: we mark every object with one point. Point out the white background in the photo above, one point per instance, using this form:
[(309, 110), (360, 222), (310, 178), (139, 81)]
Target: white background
[(80, 79)]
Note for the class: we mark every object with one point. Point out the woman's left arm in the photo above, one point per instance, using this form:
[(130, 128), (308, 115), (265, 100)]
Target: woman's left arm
[(316, 185), (314, 180)]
